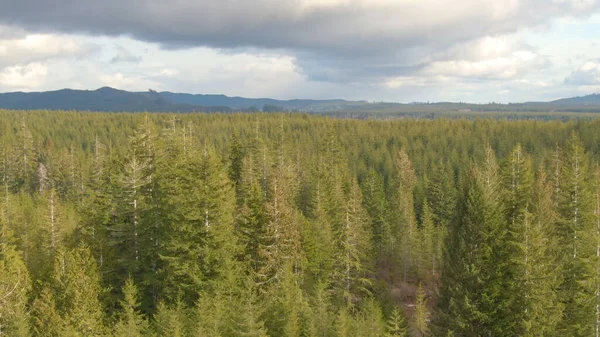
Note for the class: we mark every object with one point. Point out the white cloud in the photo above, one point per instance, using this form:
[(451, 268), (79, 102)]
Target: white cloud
[(23, 77), (39, 48), (510, 66), (128, 82), (169, 72), (587, 74)]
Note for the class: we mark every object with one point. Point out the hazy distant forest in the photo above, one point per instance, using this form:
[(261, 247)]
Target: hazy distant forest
[(116, 224)]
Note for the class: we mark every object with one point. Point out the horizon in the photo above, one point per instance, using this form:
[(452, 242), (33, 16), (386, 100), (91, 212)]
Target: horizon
[(301, 98)]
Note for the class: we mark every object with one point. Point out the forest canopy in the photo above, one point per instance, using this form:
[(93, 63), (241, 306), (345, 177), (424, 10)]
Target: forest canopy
[(120, 224)]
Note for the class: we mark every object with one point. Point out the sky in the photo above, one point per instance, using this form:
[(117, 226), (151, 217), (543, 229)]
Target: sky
[(376, 50)]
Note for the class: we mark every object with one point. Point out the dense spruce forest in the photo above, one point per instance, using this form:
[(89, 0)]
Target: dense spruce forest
[(295, 225)]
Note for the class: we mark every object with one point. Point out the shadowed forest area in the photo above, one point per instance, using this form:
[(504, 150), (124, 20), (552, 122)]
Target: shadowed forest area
[(119, 224)]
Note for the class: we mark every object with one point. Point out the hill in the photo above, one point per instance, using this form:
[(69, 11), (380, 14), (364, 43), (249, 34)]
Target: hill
[(113, 100), (103, 99), (593, 99)]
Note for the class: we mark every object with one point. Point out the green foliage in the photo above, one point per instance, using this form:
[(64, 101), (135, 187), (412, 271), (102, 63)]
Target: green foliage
[(396, 325), (77, 291), (292, 225), (472, 299), (132, 322), (14, 286), (171, 321), (420, 323)]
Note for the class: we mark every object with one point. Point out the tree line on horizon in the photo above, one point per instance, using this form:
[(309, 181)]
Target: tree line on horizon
[(295, 225)]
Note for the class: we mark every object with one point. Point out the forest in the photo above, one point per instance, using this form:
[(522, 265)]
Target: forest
[(266, 224)]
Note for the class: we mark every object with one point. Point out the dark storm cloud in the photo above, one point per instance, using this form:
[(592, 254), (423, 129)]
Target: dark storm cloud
[(346, 38)]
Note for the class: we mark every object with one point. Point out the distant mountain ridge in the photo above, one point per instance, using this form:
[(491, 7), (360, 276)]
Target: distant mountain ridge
[(247, 103), (593, 99), (108, 99), (103, 99)]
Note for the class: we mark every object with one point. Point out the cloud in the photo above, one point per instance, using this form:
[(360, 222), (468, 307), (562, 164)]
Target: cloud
[(331, 40), (28, 48), (125, 56), (23, 77), (512, 65), (587, 74)]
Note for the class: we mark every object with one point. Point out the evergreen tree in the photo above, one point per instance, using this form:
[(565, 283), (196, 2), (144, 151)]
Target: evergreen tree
[(282, 233), (77, 291), (396, 325), (576, 238), (236, 163), (25, 163), (406, 223), (132, 323), (597, 260), (321, 311), (420, 324), (198, 208), (133, 233), (441, 194), (431, 242), (251, 226), (517, 181), (542, 310), (377, 207), (14, 286), (472, 300), (47, 322), (371, 322), (353, 242), (343, 323), (170, 321)]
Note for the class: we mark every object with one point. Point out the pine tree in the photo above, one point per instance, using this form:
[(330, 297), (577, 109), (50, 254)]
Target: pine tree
[(47, 322), (282, 305), (318, 246), (14, 286), (321, 310), (77, 291), (420, 324), (542, 310), (343, 323), (25, 161), (517, 181), (170, 321), (441, 194), (282, 233), (328, 204), (597, 260), (352, 253), (377, 207), (133, 232), (132, 323), (406, 223), (251, 226), (230, 306), (97, 204), (197, 206), (430, 242), (210, 313), (472, 300), (396, 325), (236, 163), (576, 238), (371, 322)]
